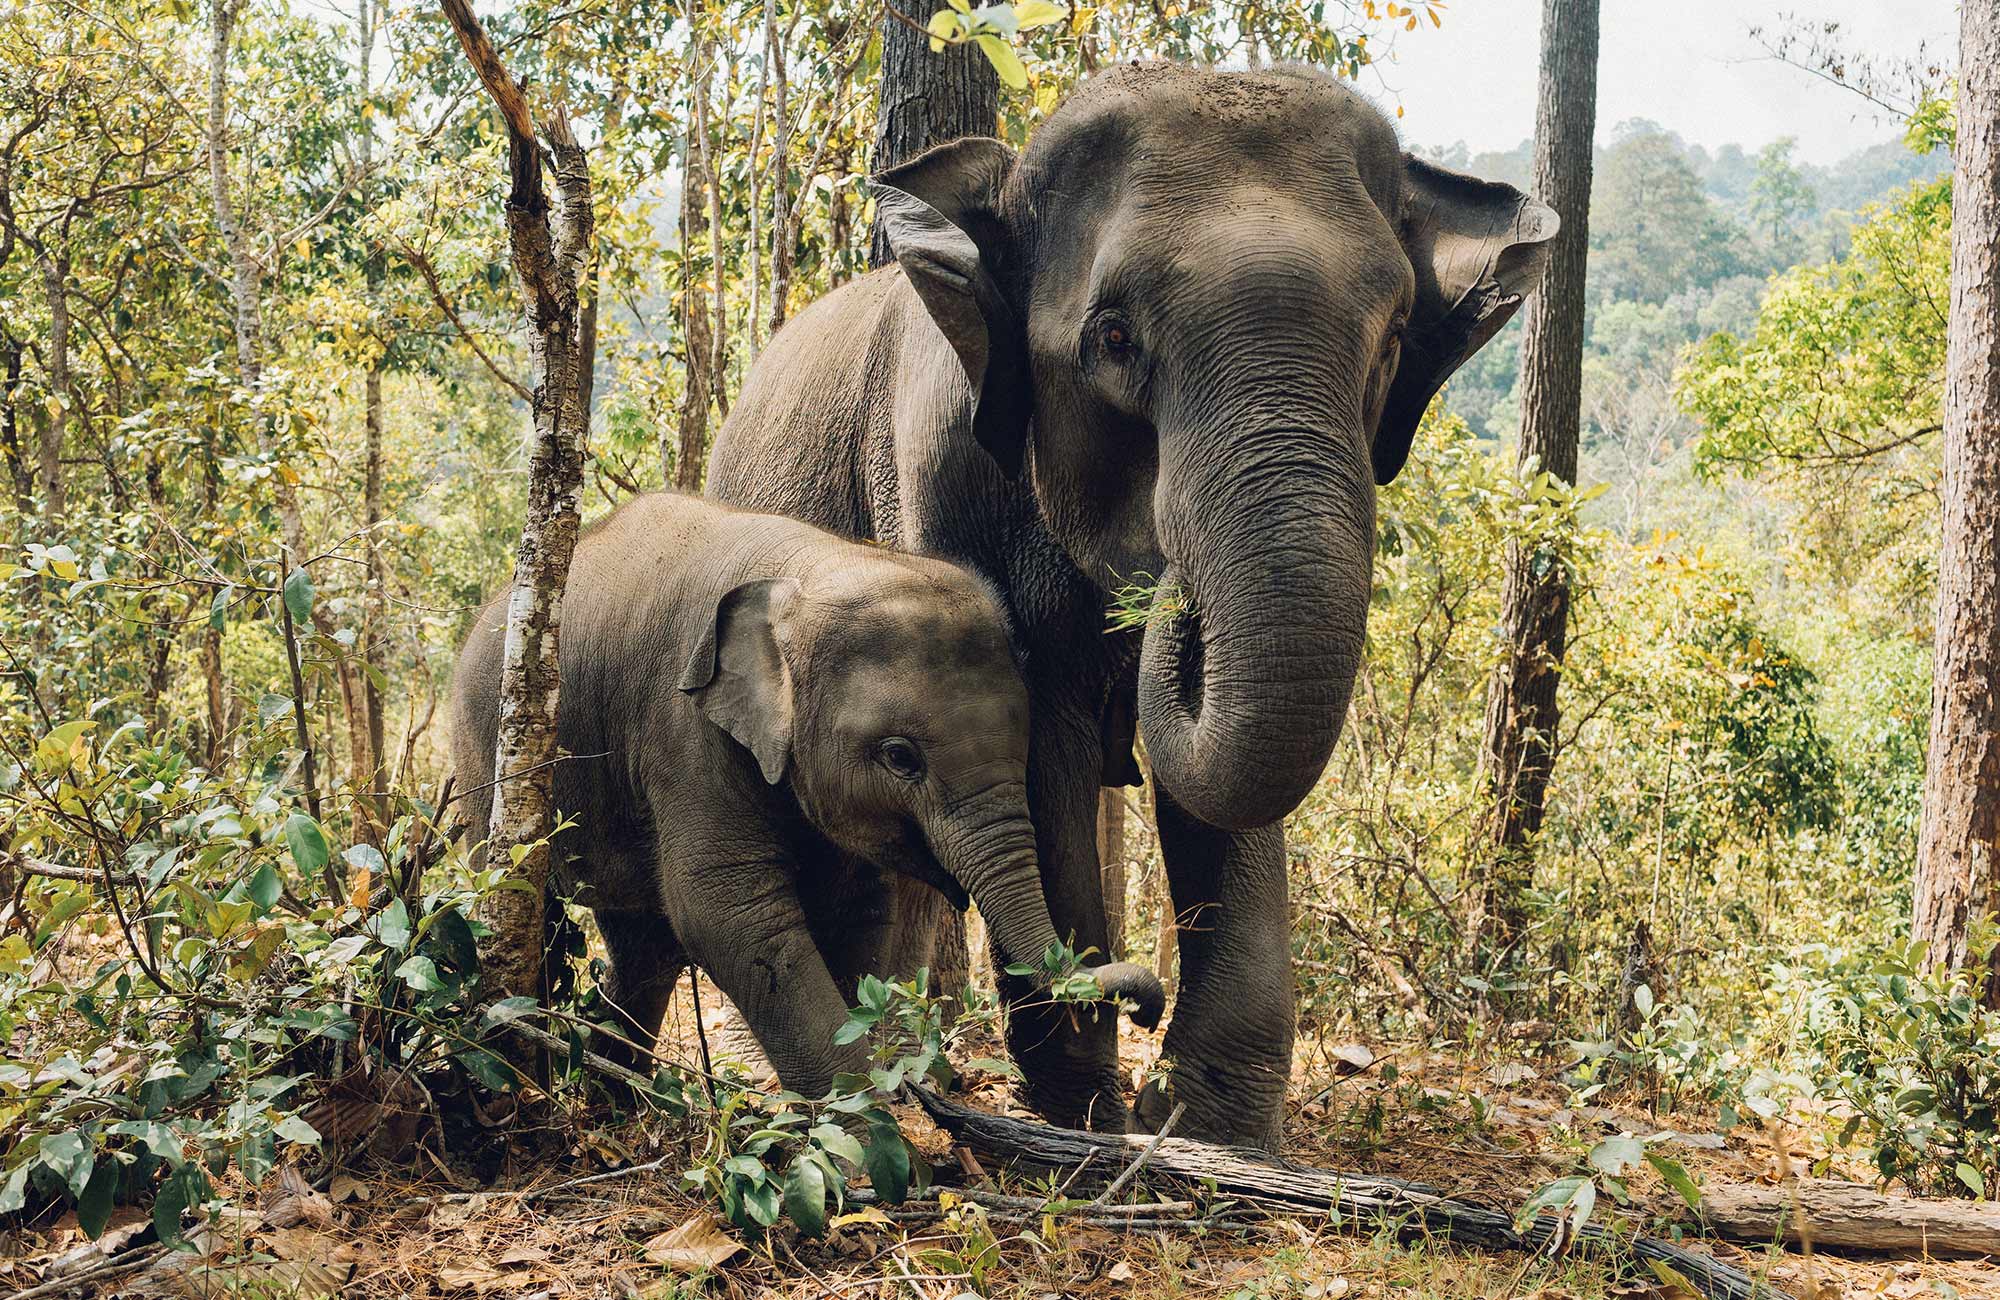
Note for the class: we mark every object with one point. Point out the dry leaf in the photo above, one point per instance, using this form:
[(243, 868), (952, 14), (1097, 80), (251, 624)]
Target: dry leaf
[(1120, 1272), (693, 1246), (1351, 1058), (346, 1187), (476, 1276), (525, 1254), (293, 1201)]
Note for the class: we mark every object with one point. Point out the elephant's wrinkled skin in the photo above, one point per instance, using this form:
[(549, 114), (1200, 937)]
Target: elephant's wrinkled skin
[(764, 719), (1179, 340)]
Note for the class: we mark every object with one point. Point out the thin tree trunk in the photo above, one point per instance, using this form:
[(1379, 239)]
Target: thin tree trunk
[(246, 273), (18, 473), (682, 464), (370, 780), (55, 278), (550, 252), (1111, 866), (927, 99), (1521, 707), (751, 321), (718, 364), (781, 156), (1958, 847)]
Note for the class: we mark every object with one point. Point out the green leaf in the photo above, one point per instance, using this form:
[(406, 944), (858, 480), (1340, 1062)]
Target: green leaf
[(218, 609), (421, 974), (1676, 1175), (1970, 1177), (393, 925), (93, 1208), (273, 708), (265, 887), (853, 1031), (14, 1193), (888, 1161), (63, 745), (159, 1139), (307, 843), (68, 1157), (1642, 1000), (293, 1128), (1615, 1155), (299, 596), (1005, 62), (181, 1190), (805, 1195), (838, 1142), (761, 1201), (1037, 13)]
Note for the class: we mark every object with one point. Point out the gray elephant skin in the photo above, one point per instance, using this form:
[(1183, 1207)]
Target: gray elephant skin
[(772, 728), (1176, 343)]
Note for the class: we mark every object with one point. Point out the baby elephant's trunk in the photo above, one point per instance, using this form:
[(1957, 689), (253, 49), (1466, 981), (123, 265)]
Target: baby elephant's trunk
[(998, 867)]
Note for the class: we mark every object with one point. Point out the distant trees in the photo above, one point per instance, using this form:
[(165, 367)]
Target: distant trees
[(1521, 707), (1781, 199), (1654, 230), (1958, 848)]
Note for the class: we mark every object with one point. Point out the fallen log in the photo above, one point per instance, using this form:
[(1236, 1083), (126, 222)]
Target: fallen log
[(1256, 1178), (1849, 1216)]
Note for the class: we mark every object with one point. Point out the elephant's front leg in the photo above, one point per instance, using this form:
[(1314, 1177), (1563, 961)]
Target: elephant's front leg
[(1068, 1055), (1228, 1052), (740, 920)]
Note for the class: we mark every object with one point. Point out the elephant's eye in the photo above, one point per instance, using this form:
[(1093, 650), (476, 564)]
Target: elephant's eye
[(1114, 336), (902, 758)]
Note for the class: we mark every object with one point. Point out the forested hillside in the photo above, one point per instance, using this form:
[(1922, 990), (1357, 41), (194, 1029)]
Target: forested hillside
[(267, 418)]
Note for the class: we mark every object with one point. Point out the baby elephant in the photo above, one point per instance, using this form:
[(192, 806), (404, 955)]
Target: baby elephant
[(766, 721)]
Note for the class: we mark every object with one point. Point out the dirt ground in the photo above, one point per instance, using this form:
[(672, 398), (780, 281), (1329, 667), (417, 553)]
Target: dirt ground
[(1486, 1130)]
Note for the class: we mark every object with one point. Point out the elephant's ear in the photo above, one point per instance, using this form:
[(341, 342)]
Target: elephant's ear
[(1478, 247), (941, 213), (738, 676)]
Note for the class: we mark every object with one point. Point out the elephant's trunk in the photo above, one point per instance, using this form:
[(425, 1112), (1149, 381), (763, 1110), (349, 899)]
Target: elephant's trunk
[(1258, 624), (999, 868)]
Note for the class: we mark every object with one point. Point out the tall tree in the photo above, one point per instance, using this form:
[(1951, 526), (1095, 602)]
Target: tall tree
[(1521, 709), (1958, 847), (551, 252), (927, 99)]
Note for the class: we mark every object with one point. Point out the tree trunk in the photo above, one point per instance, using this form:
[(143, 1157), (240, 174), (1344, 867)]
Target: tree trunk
[(18, 473), (1111, 866), (370, 781), (246, 273), (550, 251), (927, 99), (682, 465), (1958, 847), (55, 279), (781, 197), (1521, 708)]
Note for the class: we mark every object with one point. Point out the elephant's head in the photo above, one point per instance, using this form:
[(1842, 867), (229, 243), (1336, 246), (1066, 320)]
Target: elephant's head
[(1207, 310), (884, 691)]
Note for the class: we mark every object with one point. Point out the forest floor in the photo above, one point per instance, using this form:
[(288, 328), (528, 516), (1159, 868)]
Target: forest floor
[(1487, 1131)]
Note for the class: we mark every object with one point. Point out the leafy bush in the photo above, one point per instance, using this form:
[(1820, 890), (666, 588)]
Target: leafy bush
[(1913, 1054)]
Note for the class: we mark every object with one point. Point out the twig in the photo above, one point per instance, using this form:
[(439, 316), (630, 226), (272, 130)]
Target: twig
[(1132, 1170)]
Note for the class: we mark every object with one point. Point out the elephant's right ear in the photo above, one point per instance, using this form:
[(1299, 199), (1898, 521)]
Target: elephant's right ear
[(941, 213), (738, 675)]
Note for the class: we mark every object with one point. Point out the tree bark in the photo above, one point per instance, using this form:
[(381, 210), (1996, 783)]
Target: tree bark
[(370, 753), (18, 473), (682, 464), (927, 99), (550, 251), (1958, 846), (1521, 706), (1111, 866), (55, 279), (246, 272)]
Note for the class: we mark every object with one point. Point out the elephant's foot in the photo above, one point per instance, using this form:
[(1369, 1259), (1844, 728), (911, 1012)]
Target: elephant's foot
[(1227, 1100)]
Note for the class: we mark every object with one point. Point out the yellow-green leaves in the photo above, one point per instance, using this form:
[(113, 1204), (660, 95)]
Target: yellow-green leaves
[(992, 28)]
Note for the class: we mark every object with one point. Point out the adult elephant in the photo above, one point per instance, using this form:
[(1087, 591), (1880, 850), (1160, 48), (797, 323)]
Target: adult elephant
[(1177, 343)]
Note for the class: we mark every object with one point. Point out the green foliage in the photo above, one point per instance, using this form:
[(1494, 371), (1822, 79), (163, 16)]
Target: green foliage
[(1912, 1055)]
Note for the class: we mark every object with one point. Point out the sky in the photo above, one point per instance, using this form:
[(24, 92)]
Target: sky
[(1689, 65)]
